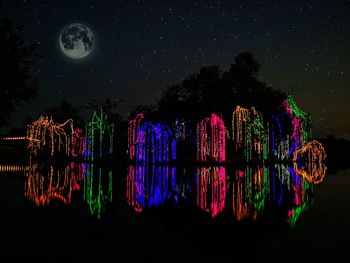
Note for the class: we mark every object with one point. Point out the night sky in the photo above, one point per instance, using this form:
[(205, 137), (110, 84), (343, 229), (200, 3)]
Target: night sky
[(143, 46)]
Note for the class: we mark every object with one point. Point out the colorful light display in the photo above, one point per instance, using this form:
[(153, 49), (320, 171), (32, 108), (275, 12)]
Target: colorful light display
[(149, 186), (211, 189), (155, 143), (211, 139), (98, 188), (99, 136), (44, 133)]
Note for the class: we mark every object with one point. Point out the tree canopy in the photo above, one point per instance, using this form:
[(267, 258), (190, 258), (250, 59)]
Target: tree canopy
[(211, 90), (16, 57)]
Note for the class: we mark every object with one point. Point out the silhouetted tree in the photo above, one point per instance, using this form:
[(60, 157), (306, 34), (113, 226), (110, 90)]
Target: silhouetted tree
[(65, 111), (212, 91), (17, 84)]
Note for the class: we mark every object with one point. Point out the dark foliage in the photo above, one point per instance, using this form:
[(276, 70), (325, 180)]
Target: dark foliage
[(16, 57)]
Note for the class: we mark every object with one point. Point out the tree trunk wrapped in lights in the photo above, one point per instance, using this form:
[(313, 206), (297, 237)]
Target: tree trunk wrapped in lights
[(47, 137), (99, 136), (211, 139)]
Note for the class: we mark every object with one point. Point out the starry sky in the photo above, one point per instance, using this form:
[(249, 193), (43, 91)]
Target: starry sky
[(143, 46)]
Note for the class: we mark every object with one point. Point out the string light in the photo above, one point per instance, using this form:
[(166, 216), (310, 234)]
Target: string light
[(211, 139)]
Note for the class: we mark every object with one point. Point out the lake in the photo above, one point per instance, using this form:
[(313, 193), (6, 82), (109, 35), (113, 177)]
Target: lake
[(81, 211)]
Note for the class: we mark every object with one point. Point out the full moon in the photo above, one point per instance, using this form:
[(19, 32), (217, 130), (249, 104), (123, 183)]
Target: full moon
[(76, 41)]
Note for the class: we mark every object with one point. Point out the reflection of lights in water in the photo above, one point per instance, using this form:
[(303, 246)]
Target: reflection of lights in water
[(99, 136), (98, 189), (43, 185), (211, 189), (211, 140), (149, 186)]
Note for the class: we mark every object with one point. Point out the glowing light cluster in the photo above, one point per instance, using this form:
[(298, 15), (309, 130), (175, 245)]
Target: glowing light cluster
[(211, 139), (149, 186), (211, 189), (99, 136), (44, 133), (155, 143)]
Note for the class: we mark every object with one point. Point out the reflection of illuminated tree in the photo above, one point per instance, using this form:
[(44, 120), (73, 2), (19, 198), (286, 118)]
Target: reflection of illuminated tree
[(42, 186), (97, 189), (149, 186), (211, 139), (44, 133), (250, 191), (211, 189)]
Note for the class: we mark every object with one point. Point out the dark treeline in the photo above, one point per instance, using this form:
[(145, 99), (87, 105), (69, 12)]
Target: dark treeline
[(213, 91)]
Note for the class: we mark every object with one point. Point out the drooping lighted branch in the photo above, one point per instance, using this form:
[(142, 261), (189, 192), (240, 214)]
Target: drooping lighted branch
[(211, 139)]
